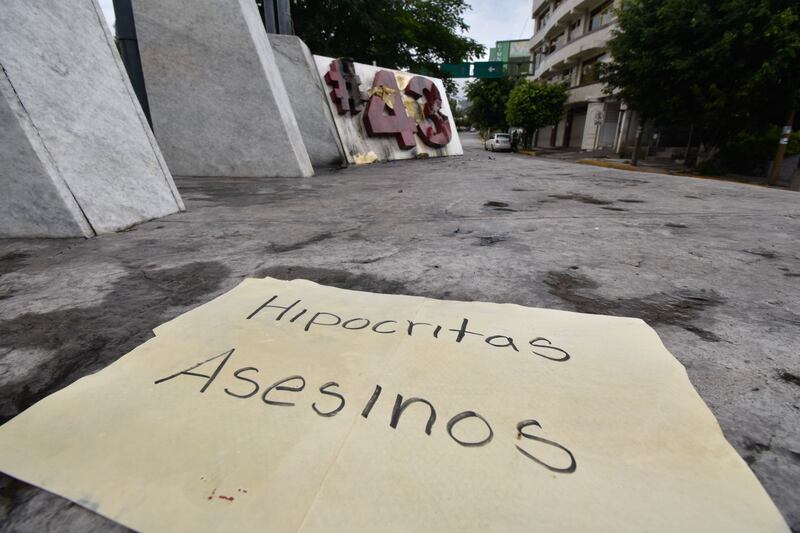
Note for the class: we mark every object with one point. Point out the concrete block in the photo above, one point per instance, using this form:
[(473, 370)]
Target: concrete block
[(359, 146), (308, 98), (217, 99), (32, 202), (76, 155)]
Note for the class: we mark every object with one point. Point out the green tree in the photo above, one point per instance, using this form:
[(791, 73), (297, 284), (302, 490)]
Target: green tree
[(488, 98), (535, 104), (459, 117), (723, 66), (416, 35)]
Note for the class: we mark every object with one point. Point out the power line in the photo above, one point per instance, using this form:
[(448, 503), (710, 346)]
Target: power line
[(524, 25)]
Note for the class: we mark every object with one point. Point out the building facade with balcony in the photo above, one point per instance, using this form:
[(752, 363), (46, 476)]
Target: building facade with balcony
[(569, 43)]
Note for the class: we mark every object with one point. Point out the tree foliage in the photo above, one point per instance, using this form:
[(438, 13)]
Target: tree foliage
[(459, 115), (488, 99), (415, 35), (723, 65), (536, 104)]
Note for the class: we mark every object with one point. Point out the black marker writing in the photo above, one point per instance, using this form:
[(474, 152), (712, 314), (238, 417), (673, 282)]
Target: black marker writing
[(238, 375), (541, 346), (209, 378), (469, 414), (501, 341), (537, 343), (324, 390), (567, 470), (382, 322), (361, 323), (314, 318), (400, 406), (267, 304), (462, 331), (279, 386), (371, 401), (411, 325), (247, 386), (298, 315)]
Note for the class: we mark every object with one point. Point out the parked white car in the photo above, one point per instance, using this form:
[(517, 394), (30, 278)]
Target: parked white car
[(498, 142)]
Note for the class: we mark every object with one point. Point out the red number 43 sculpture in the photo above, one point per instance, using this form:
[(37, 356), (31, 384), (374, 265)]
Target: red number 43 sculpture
[(385, 114)]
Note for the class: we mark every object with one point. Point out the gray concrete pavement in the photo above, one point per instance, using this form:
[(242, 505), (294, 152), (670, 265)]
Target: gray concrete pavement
[(713, 266)]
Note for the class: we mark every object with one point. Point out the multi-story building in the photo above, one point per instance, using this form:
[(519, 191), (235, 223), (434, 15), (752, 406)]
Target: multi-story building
[(568, 44)]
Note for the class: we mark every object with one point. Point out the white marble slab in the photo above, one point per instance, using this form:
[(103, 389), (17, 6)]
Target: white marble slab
[(80, 159), (217, 98), (308, 98)]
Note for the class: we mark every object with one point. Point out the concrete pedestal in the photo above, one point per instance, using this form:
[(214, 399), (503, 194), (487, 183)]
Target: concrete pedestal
[(217, 99), (308, 100), (76, 155)]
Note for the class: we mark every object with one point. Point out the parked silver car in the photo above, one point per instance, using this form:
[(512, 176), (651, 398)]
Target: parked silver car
[(498, 142)]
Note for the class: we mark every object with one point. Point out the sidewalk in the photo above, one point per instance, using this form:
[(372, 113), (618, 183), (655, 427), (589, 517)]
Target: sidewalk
[(609, 159)]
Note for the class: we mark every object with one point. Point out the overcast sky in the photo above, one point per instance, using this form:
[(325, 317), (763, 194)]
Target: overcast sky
[(499, 20), (108, 10)]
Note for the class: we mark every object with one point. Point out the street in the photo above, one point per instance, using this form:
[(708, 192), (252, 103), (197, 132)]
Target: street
[(713, 266)]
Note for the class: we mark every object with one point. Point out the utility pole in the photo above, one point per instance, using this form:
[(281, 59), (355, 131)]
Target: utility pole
[(284, 17), (276, 16), (266, 9), (777, 163)]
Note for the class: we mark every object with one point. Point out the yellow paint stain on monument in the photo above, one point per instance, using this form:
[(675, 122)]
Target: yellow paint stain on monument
[(365, 159), (291, 406)]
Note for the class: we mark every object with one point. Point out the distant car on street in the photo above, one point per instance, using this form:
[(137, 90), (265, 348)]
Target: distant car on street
[(498, 142)]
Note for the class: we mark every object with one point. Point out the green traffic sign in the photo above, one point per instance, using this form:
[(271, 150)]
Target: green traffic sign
[(485, 69), (457, 70), (488, 69)]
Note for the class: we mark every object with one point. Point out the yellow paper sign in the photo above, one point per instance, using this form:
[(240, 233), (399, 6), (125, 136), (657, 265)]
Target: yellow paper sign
[(288, 406)]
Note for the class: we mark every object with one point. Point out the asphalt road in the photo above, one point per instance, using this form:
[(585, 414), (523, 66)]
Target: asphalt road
[(713, 266)]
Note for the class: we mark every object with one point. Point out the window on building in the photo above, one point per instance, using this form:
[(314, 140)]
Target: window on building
[(543, 20), (590, 69), (538, 55), (601, 16), (574, 30)]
